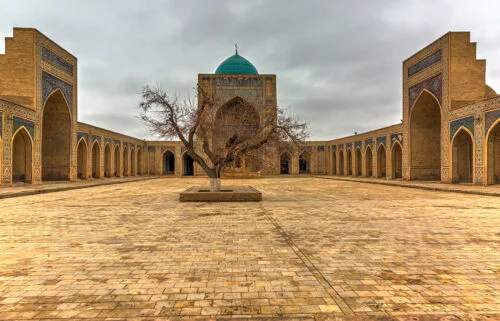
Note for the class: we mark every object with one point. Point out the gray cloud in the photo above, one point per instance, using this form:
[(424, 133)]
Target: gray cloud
[(338, 63)]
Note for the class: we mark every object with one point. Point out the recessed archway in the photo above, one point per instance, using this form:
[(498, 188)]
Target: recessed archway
[(397, 161), (285, 163), (349, 162), (139, 161), (381, 161), (56, 138), (493, 154), (187, 165), (117, 161), (358, 161), (334, 163), (125, 161), (132, 162), (425, 138), (462, 157), (168, 160), (81, 159), (341, 162), (107, 161), (22, 149), (369, 162), (96, 160), (304, 163)]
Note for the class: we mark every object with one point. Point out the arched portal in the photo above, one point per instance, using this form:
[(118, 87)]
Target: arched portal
[(462, 151), (304, 163), (168, 163), (56, 138), (187, 165), (117, 161), (132, 162), (341, 162), (369, 162), (358, 162), (493, 154), (381, 161), (107, 161), (22, 156), (425, 138), (397, 161), (139, 161), (285, 163), (349, 162), (125, 161), (96, 160), (334, 163), (81, 159)]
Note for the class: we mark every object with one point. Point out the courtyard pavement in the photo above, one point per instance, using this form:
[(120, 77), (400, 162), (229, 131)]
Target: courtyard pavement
[(313, 248)]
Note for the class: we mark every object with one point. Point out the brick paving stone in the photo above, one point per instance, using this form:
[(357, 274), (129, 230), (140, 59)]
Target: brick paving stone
[(312, 248)]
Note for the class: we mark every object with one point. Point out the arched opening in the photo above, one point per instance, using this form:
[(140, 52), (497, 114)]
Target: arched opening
[(304, 163), (139, 162), (462, 151), (56, 138), (425, 138), (381, 161), (96, 160), (493, 154), (125, 161), (397, 161), (117, 161), (341, 162), (168, 163), (81, 159), (285, 163), (107, 161), (358, 162), (187, 165), (21, 157), (349, 162), (132, 162), (369, 162), (334, 163)]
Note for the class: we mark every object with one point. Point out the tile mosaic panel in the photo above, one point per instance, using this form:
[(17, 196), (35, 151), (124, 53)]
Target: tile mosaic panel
[(397, 138), (357, 144), (381, 140), (183, 149), (125, 144), (287, 148), (369, 142), (334, 148), (51, 83), (19, 122), (80, 135), (321, 148), (57, 61), (491, 118), (117, 142), (348, 145), (253, 96), (433, 84), (424, 63), (151, 149), (107, 140), (237, 82), (96, 137), (467, 122), (305, 148)]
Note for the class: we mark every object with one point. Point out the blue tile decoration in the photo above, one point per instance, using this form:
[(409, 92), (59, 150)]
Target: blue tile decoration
[(19, 122), (348, 145), (107, 140), (237, 82), (117, 142), (321, 148), (433, 84), (125, 144), (305, 148), (369, 142), (334, 148), (132, 146), (151, 149), (287, 148), (491, 118), (341, 147), (357, 144), (467, 122), (57, 61), (424, 63), (183, 149), (397, 138), (164, 148), (381, 140), (82, 134), (96, 137), (51, 83)]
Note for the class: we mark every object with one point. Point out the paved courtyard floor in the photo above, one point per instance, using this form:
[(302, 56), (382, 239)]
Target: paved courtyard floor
[(313, 248)]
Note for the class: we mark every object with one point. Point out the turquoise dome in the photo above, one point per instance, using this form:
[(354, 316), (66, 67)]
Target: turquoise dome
[(236, 65)]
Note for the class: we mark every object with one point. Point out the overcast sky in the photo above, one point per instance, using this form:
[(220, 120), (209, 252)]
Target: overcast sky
[(338, 63)]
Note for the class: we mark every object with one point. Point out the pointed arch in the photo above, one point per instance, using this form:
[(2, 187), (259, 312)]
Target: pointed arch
[(462, 156), (381, 161), (397, 160), (305, 162), (368, 161), (132, 162), (187, 165), (168, 162), (22, 156), (425, 138), (349, 162), (96, 160), (117, 161), (341, 162), (334, 162), (107, 160), (125, 161), (139, 161), (285, 163), (56, 137), (81, 159), (493, 154), (358, 162)]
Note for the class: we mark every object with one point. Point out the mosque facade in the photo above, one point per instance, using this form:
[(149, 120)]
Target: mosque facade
[(450, 129)]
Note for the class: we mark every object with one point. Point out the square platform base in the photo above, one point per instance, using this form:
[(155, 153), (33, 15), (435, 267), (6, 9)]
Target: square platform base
[(227, 194)]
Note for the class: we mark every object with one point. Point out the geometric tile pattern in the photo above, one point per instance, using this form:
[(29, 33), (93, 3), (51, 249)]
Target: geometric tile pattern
[(96, 138), (491, 118), (282, 149), (303, 148), (348, 145), (369, 142), (334, 147), (357, 144), (237, 82), (151, 148), (56, 60), (432, 84), (107, 140), (321, 148), (51, 83), (81, 134), (117, 142), (397, 138), (381, 140), (424, 63), (19, 122), (467, 122)]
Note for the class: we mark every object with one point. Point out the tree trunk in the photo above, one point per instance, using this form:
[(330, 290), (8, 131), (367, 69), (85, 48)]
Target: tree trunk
[(214, 184)]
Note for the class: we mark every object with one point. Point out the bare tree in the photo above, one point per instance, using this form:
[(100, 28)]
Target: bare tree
[(209, 136)]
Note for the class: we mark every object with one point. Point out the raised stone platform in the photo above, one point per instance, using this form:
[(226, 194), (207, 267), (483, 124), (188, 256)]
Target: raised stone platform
[(227, 194)]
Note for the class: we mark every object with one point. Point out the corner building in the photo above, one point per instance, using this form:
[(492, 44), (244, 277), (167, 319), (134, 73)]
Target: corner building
[(450, 130)]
